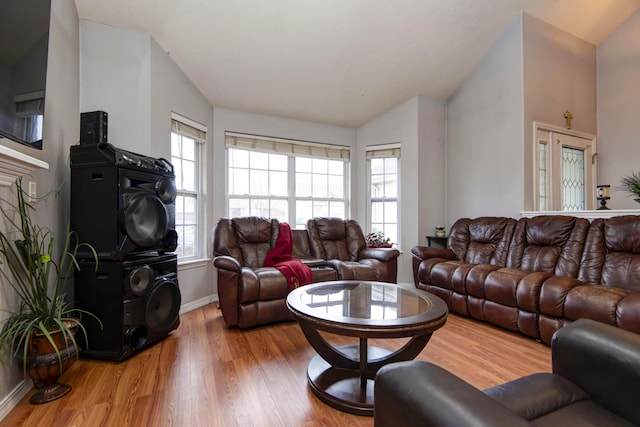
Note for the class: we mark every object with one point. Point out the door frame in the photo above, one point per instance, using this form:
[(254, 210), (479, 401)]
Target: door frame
[(544, 133)]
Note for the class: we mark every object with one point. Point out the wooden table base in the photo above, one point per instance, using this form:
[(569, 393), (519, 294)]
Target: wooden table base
[(343, 377), (342, 388)]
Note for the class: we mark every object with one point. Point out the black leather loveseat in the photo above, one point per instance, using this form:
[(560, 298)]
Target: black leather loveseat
[(595, 382)]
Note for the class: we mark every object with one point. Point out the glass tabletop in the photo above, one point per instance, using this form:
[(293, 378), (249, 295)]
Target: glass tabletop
[(361, 302)]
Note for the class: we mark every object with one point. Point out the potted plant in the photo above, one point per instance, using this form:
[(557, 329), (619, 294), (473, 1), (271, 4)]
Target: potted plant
[(631, 184), (377, 239), (440, 231), (40, 332)]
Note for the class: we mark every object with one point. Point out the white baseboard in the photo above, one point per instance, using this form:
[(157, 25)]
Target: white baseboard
[(13, 398), (185, 308)]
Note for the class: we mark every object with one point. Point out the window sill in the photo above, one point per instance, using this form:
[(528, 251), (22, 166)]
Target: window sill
[(193, 263)]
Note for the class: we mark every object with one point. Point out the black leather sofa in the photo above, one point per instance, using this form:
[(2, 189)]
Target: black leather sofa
[(595, 382)]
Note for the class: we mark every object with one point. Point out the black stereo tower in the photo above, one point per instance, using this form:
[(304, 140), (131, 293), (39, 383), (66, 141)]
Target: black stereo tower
[(123, 205)]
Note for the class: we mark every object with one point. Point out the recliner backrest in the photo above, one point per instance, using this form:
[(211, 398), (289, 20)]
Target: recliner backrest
[(247, 239), (612, 253), (549, 243), (483, 240), (335, 238)]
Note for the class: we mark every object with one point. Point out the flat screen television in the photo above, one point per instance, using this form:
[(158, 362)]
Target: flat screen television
[(24, 46)]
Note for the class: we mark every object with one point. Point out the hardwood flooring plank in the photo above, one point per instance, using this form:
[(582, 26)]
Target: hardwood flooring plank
[(205, 374)]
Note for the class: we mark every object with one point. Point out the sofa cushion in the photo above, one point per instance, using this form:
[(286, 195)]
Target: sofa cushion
[(254, 237), (612, 253), (584, 413), (549, 243), (537, 395), (483, 240), (335, 238)]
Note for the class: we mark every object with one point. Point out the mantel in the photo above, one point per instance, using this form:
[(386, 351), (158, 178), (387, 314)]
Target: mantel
[(590, 215), (14, 164)]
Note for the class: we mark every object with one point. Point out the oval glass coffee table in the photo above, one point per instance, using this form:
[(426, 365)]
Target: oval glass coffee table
[(343, 377)]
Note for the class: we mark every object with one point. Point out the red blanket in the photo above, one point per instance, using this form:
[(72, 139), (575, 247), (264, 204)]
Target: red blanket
[(294, 270)]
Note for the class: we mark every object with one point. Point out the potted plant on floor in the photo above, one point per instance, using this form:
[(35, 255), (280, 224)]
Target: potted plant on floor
[(40, 332)]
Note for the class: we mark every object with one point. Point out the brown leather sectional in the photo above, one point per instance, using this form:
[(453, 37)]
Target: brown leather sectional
[(251, 294), (535, 275)]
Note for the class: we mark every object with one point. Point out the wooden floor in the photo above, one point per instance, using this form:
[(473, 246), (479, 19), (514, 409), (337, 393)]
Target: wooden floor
[(204, 374)]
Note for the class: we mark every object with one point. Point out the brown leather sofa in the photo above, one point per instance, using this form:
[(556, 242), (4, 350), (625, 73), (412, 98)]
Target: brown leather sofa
[(598, 388), (342, 245), (535, 275), (251, 294)]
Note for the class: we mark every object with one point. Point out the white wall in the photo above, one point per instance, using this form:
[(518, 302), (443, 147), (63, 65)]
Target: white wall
[(484, 149), (533, 72), (430, 166), (418, 125), (559, 74), (618, 60), (115, 69), (61, 130)]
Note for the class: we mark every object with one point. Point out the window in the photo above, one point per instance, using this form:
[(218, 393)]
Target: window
[(564, 169), (187, 138), (383, 171), (291, 181)]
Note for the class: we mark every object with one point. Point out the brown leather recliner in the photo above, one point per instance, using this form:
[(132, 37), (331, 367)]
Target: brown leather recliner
[(250, 294), (596, 372), (341, 243)]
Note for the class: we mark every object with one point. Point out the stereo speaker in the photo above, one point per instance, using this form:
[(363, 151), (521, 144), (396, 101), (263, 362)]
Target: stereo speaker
[(122, 207), (137, 302), (93, 127)]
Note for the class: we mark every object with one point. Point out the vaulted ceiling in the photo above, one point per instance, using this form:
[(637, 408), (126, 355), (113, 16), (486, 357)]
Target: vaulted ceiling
[(340, 62)]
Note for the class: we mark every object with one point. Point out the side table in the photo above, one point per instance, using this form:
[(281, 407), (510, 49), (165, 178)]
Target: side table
[(441, 241)]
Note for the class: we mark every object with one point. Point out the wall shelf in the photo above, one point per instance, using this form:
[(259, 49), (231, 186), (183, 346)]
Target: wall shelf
[(14, 164)]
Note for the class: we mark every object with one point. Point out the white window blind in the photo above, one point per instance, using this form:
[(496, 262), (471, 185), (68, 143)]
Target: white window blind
[(185, 127), (386, 150), (286, 146)]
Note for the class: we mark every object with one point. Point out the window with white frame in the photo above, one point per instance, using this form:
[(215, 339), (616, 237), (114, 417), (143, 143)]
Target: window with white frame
[(565, 170), (187, 139), (383, 163), (291, 181)]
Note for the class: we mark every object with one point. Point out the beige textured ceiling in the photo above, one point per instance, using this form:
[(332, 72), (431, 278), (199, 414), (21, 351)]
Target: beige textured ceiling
[(341, 62)]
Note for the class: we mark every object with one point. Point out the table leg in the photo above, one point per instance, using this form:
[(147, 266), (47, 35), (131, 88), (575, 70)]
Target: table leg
[(363, 362)]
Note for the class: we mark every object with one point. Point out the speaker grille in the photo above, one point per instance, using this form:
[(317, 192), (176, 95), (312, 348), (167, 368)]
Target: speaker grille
[(163, 305)]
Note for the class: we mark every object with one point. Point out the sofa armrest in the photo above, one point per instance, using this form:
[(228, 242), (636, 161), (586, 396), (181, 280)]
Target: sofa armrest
[(227, 263), (424, 252), (417, 393), (381, 254), (608, 368)]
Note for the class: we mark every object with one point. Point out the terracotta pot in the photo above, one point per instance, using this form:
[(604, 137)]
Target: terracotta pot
[(44, 368)]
